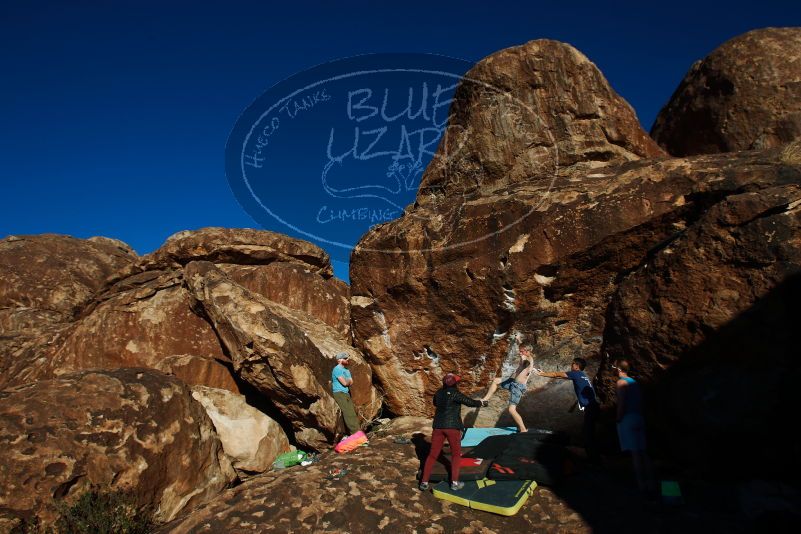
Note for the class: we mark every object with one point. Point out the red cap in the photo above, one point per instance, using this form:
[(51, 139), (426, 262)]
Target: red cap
[(451, 379)]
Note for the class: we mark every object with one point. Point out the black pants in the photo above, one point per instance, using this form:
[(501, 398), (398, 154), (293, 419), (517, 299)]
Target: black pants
[(591, 414)]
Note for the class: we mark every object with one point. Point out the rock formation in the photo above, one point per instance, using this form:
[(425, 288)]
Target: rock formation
[(55, 275), (708, 322), (527, 114), (285, 354), (467, 271), (135, 323), (93, 304), (300, 288), (131, 429), (248, 436), (745, 95), (534, 167), (199, 370), (137, 313), (547, 217), (239, 246)]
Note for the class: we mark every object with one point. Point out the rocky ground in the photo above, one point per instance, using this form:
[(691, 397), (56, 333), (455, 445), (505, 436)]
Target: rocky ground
[(379, 494)]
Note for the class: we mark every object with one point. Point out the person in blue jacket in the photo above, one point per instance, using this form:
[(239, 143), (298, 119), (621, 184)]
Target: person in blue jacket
[(587, 402)]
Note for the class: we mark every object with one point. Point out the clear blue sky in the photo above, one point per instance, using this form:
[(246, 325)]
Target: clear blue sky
[(115, 114)]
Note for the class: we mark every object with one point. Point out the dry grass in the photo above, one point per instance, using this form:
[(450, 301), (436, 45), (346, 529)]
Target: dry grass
[(791, 153)]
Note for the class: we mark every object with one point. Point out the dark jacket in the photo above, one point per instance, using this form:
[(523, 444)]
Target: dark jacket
[(448, 401)]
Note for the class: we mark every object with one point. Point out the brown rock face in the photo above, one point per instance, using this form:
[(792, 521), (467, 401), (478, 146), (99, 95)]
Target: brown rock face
[(539, 164), (239, 246), (55, 274), (135, 323), (299, 288), (285, 354), (45, 282), (130, 429), (145, 316), (526, 112), (199, 371), (448, 286), (745, 95), (708, 322)]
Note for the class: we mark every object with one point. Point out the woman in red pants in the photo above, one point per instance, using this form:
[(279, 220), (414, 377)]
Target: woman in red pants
[(448, 425)]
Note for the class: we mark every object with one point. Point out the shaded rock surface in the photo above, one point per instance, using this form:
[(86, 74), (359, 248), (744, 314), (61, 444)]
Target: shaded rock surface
[(445, 287), (549, 278), (132, 429), (285, 354), (745, 95), (709, 321), (248, 436)]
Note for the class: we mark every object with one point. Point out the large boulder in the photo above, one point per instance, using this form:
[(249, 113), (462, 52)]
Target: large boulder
[(527, 113), (298, 287), (251, 438), (709, 325), (130, 429), (55, 275), (744, 95), (46, 281), (292, 272), (539, 162), (239, 246), (463, 278), (136, 322), (285, 354)]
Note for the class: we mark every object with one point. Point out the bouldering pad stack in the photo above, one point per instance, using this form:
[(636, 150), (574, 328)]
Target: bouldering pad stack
[(504, 497), (501, 468)]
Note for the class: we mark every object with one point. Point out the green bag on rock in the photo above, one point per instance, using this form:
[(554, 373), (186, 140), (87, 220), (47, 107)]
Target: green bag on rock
[(288, 459)]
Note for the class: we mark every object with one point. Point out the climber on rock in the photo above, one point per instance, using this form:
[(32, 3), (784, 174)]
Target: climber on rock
[(516, 384)]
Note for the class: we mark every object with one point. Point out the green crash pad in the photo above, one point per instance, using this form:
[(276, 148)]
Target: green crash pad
[(504, 497)]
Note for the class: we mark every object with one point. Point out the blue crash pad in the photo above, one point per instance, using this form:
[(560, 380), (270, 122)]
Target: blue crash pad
[(474, 436)]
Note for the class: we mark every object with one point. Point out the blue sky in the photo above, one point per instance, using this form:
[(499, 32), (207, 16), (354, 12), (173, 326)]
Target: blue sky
[(115, 115)]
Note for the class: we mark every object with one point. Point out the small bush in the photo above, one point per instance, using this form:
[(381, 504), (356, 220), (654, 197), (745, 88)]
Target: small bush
[(28, 526), (94, 512), (98, 512)]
